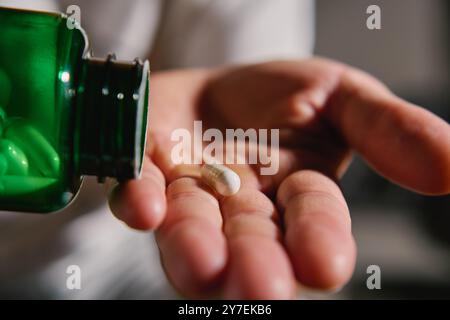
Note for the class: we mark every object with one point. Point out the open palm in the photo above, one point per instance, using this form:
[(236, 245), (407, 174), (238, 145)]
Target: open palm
[(294, 225)]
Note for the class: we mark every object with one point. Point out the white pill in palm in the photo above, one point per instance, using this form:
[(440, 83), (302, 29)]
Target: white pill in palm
[(221, 178)]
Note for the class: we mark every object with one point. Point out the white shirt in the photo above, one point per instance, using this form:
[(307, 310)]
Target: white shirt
[(116, 262)]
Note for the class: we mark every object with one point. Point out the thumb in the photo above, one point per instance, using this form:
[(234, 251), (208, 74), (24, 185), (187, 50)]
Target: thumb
[(140, 203)]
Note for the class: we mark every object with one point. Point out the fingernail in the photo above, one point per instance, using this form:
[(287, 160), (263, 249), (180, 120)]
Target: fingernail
[(305, 112), (110, 186), (319, 98)]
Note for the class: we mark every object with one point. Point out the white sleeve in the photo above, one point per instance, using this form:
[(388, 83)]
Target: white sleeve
[(126, 28), (44, 5), (211, 32)]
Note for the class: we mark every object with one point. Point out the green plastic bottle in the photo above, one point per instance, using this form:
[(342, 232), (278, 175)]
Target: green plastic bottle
[(63, 113)]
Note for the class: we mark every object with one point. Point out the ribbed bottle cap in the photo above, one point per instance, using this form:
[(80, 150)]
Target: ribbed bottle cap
[(112, 118)]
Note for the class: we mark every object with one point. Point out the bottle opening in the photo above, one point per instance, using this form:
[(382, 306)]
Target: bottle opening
[(112, 118)]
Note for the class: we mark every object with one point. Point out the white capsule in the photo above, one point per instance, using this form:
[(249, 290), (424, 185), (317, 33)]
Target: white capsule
[(221, 178)]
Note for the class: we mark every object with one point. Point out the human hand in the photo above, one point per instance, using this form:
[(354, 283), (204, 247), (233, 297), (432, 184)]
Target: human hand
[(294, 225)]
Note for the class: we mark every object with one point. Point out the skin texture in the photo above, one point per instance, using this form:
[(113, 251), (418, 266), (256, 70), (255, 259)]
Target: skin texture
[(294, 226)]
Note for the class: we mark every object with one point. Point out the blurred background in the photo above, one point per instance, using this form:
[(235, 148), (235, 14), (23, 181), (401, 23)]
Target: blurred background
[(407, 235)]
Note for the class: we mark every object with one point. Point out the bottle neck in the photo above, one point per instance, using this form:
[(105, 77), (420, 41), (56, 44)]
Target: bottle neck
[(111, 118)]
